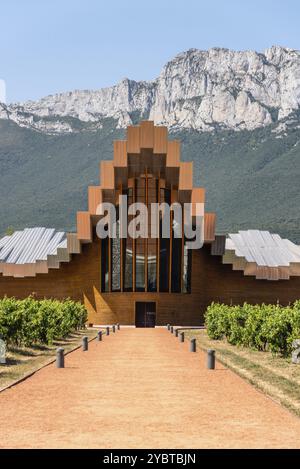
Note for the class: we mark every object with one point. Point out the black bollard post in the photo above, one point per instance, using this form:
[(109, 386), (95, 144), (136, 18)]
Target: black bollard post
[(171, 329), (60, 358), (114, 328), (168, 327), (181, 337), (193, 345), (176, 332), (211, 359), (118, 326), (85, 344), (99, 336), (107, 330)]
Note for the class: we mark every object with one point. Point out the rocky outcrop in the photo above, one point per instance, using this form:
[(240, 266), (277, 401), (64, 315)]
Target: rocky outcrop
[(203, 90)]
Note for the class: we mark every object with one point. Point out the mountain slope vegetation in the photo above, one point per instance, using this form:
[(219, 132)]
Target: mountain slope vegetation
[(251, 177)]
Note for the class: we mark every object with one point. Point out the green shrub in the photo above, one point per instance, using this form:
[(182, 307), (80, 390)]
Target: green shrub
[(216, 321), (30, 321), (262, 327), (254, 334), (237, 316), (278, 329)]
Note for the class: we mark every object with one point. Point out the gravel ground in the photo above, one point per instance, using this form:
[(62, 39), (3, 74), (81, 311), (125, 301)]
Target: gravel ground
[(141, 388)]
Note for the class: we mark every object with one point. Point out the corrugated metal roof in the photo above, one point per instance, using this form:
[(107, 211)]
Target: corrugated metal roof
[(31, 245), (263, 248), (271, 254)]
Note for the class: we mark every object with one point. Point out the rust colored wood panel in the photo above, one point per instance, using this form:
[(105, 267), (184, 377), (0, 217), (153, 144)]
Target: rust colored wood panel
[(53, 262), (186, 176), (74, 245), (185, 185), (173, 154), (107, 175), (120, 154), (133, 140), (134, 165), (173, 162), (94, 198), (42, 267), (218, 245), (198, 195), (209, 227), (211, 281), (197, 201), (160, 140), (14, 270), (84, 227), (174, 196), (63, 255), (147, 134)]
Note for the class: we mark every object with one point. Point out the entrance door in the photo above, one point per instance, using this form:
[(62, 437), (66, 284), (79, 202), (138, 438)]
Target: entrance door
[(145, 314)]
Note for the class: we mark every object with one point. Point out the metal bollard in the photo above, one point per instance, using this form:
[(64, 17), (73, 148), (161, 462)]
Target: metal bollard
[(85, 344), (168, 327), (193, 345), (60, 358), (176, 332), (107, 330), (181, 337), (114, 328), (99, 336), (211, 359), (171, 329), (118, 326)]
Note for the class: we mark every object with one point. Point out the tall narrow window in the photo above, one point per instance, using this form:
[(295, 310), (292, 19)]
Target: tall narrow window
[(176, 262), (151, 259), (116, 260), (164, 248), (187, 269), (151, 242), (105, 265), (128, 250), (140, 243), (140, 264)]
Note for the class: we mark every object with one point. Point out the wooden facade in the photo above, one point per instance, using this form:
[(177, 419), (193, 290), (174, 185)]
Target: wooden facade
[(211, 281), (143, 166)]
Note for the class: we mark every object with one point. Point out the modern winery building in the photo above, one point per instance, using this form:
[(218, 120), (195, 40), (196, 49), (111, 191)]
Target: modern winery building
[(148, 281)]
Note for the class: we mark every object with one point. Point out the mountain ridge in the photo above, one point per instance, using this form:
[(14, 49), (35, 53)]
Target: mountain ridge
[(236, 113), (198, 89)]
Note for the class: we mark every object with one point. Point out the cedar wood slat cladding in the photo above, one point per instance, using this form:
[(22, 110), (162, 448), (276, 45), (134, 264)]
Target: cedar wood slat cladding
[(211, 281)]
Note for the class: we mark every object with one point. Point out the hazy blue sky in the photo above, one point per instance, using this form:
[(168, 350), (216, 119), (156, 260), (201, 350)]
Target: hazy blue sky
[(47, 46)]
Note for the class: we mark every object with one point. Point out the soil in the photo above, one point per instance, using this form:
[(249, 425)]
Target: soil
[(141, 388)]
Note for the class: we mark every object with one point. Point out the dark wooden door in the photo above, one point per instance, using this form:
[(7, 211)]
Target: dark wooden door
[(145, 314)]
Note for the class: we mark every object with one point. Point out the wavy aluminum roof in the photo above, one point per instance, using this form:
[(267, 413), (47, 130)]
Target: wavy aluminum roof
[(31, 245), (263, 248)]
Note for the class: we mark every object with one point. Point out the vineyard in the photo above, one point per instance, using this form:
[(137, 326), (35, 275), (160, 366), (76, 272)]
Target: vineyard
[(30, 321), (261, 327)]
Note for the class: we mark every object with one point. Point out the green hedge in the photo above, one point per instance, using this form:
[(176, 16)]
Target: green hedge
[(27, 322), (261, 327)]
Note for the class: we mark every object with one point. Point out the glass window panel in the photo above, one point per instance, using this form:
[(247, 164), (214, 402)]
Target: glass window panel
[(140, 264), (176, 264), (116, 261), (128, 267), (128, 252), (164, 260), (187, 269), (152, 258), (105, 265)]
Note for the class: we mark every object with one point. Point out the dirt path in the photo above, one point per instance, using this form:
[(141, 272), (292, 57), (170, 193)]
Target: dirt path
[(141, 388)]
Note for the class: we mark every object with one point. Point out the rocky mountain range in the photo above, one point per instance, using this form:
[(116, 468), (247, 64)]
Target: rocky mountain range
[(199, 90), (236, 113)]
